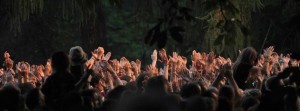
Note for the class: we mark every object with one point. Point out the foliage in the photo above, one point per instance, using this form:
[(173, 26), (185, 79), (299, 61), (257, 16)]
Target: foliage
[(33, 29)]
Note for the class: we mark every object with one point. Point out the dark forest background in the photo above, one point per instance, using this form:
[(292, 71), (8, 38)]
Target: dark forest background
[(31, 30)]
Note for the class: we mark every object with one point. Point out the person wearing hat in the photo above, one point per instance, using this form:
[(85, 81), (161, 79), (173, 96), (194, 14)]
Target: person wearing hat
[(78, 58), (81, 68)]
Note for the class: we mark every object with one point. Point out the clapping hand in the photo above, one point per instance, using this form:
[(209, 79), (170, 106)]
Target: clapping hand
[(211, 57)]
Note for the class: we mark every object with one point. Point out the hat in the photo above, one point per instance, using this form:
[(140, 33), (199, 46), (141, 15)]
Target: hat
[(77, 55)]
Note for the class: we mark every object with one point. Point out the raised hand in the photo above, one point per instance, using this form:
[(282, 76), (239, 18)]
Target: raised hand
[(268, 52), (123, 61), (107, 56), (18, 67), (135, 68), (275, 57), (196, 56), (116, 65), (163, 56), (211, 57), (47, 69), (100, 52), (154, 58), (1, 71), (139, 64), (174, 59), (39, 70), (152, 70), (204, 56), (184, 60), (227, 70)]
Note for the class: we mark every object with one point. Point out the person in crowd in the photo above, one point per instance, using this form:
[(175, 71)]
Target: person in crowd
[(241, 69), (61, 82)]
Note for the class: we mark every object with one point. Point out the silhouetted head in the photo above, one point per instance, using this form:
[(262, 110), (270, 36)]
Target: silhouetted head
[(190, 90), (249, 101), (34, 99), (11, 99), (198, 103), (116, 93), (226, 95), (157, 86), (60, 61)]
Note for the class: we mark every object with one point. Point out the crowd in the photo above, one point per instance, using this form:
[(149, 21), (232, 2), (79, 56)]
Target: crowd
[(73, 82)]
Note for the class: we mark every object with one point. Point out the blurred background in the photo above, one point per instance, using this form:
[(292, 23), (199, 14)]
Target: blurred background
[(31, 30)]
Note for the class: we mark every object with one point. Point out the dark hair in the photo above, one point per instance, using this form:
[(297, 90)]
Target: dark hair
[(11, 98), (248, 56), (248, 102), (225, 100), (157, 86), (190, 90), (199, 103), (116, 93), (227, 92), (60, 61), (34, 99)]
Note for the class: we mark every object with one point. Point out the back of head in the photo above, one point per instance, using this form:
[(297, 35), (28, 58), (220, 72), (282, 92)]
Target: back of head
[(116, 93), (226, 92), (157, 86), (248, 102), (77, 55), (225, 101), (198, 103), (10, 98), (190, 90), (34, 99), (60, 61)]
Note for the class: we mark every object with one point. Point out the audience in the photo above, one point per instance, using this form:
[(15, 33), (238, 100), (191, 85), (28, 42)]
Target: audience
[(72, 82)]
